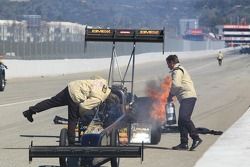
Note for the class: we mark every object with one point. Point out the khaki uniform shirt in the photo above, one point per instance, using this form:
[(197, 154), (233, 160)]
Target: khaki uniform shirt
[(182, 85), (88, 93), (220, 56)]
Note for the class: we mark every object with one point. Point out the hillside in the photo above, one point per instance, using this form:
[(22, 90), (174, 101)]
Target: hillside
[(106, 13), (130, 13)]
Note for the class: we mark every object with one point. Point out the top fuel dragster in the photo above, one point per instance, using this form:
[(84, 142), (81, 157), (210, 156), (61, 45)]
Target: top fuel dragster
[(109, 133)]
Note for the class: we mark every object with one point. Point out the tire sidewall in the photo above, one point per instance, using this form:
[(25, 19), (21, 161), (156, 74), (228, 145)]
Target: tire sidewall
[(63, 142)]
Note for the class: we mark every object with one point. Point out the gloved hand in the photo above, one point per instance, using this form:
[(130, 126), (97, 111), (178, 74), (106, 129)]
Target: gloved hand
[(170, 98), (131, 109), (130, 106)]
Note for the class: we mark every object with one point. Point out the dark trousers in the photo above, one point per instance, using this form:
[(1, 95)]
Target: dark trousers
[(220, 62), (185, 124), (61, 99)]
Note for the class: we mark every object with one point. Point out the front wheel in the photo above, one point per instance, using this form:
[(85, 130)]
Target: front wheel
[(63, 161), (115, 142)]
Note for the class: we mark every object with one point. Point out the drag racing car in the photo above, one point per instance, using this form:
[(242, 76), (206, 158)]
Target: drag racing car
[(110, 131)]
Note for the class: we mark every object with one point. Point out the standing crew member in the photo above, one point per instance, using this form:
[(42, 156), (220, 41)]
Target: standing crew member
[(220, 58), (183, 88), (80, 96)]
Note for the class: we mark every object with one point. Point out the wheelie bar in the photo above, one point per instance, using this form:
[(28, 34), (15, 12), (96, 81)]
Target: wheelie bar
[(78, 151), (60, 120)]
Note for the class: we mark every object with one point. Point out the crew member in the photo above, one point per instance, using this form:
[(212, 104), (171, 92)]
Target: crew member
[(80, 96), (220, 58), (183, 88)]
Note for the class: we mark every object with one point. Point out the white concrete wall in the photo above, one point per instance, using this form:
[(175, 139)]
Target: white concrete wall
[(36, 68)]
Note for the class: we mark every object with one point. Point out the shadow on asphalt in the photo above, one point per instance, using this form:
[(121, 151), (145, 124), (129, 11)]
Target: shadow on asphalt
[(47, 136), (157, 148), (48, 166)]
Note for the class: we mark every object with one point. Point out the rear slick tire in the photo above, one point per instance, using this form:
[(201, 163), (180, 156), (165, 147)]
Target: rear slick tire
[(156, 133)]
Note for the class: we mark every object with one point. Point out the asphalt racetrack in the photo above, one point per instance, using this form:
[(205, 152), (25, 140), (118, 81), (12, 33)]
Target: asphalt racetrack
[(223, 96)]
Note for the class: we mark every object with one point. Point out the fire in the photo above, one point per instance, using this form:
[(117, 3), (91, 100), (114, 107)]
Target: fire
[(159, 96)]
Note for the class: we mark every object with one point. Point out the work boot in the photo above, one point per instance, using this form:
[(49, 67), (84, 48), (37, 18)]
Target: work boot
[(181, 146), (28, 114), (195, 144)]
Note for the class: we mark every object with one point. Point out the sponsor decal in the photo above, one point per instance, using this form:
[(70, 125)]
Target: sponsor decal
[(101, 31), (104, 89), (126, 32), (149, 32)]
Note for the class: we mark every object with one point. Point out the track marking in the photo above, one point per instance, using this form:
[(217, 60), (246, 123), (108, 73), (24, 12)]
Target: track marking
[(21, 102)]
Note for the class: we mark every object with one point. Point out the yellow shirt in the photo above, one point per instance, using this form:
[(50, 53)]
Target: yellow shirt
[(220, 56), (182, 84), (88, 93)]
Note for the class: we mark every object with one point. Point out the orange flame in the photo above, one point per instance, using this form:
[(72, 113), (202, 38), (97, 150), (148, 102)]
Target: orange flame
[(159, 97)]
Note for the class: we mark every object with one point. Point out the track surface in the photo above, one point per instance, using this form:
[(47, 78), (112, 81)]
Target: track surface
[(223, 96)]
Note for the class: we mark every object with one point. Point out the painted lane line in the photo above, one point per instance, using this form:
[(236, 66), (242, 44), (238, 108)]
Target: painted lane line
[(22, 102)]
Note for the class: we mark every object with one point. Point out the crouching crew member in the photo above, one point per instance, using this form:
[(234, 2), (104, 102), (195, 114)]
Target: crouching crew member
[(80, 96)]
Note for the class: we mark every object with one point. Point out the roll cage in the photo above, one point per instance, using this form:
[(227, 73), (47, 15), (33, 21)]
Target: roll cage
[(124, 35)]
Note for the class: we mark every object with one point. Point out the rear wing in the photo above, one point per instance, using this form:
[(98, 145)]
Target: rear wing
[(125, 35)]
